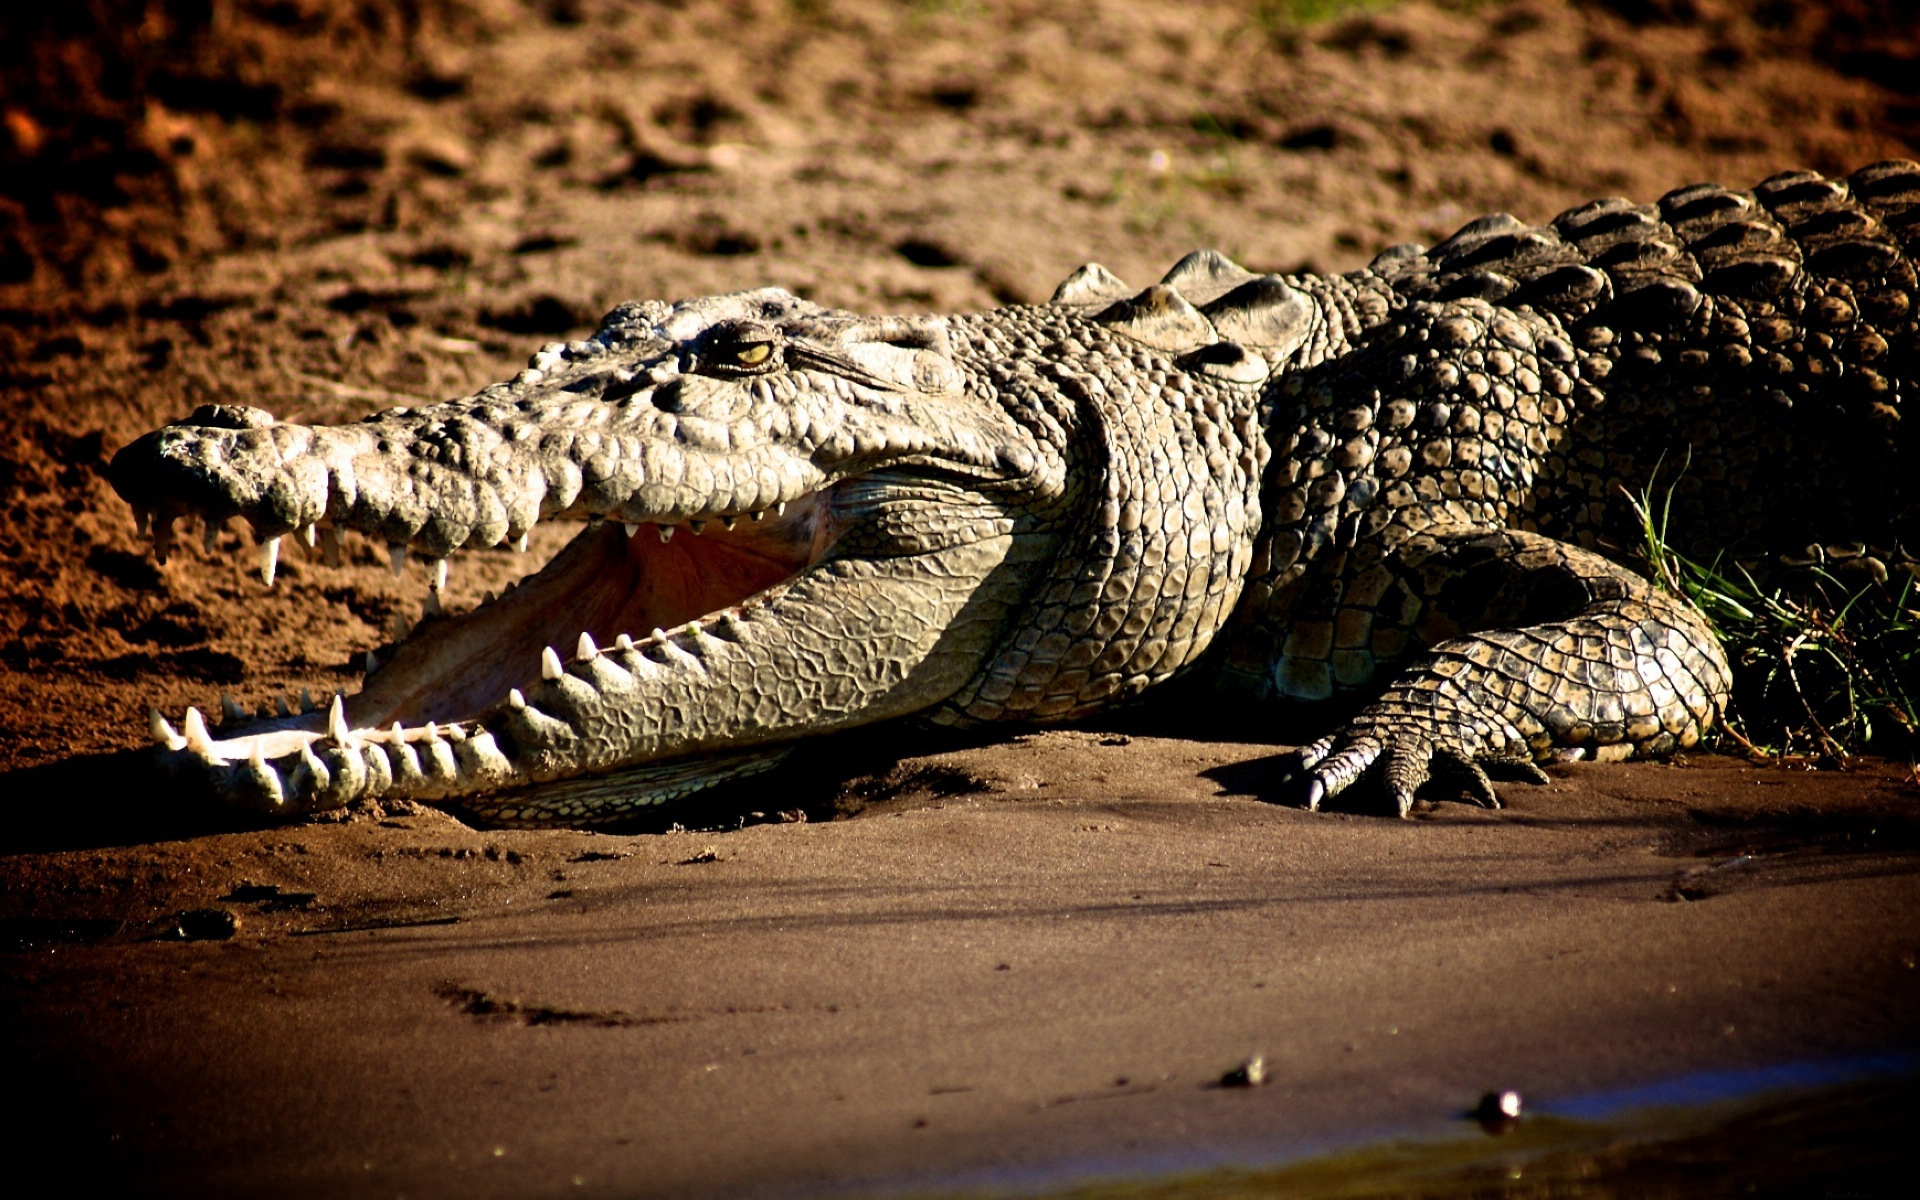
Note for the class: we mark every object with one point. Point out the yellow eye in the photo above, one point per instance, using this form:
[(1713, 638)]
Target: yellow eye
[(754, 355)]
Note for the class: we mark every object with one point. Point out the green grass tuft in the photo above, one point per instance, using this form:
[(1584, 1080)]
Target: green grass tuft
[(1821, 665)]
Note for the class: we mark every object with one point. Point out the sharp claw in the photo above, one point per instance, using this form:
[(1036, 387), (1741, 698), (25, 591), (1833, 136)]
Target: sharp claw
[(1403, 800), (1316, 792)]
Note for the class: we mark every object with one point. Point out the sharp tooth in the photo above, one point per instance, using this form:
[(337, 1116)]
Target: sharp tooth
[(432, 731), (549, 664), (397, 627), (486, 596), (373, 664), (281, 706), (330, 545), (162, 539), (209, 531), (666, 533), (263, 710), (337, 722), (516, 698), (520, 544), (306, 701), (269, 559), (230, 710), (698, 527), (780, 509), (309, 535), (630, 527), (162, 732), (195, 727), (623, 642), (267, 777), (439, 583), (430, 607), (658, 634), (397, 557), (729, 522), (586, 651), (142, 520), (398, 732), (758, 514)]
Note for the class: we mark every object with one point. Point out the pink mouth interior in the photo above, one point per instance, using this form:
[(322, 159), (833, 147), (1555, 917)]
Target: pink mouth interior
[(604, 583)]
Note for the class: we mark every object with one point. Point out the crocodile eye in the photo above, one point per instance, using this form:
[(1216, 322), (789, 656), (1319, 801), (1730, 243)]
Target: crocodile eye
[(736, 347)]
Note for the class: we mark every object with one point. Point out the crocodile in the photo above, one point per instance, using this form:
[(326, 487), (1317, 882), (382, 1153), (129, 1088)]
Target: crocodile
[(1401, 494)]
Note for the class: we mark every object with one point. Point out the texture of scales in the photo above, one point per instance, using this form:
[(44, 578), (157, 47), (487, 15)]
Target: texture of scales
[(1401, 490)]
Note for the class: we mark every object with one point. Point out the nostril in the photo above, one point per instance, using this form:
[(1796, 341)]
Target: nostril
[(666, 396), (230, 416)]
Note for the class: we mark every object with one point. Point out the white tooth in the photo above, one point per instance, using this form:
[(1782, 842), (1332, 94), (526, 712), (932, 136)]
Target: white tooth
[(780, 509), (330, 545), (623, 642), (267, 776), (195, 727), (698, 527), (162, 732), (586, 650), (549, 664), (658, 634), (269, 559), (230, 709), (630, 527), (758, 514), (162, 539), (316, 770), (306, 701), (373, 664), (439, 583), (729, 522), (430, 607), (337, 722), (432, 731), (397, 557), (520, 544), (398, 733), (666, 533), (309, 535), (516, 698), (209, 531), (281, 706)]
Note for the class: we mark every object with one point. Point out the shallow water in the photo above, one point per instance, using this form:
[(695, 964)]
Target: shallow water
[(1836, 1128)]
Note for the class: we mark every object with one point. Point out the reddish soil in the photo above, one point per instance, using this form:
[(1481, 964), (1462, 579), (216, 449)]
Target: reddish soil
[(328, 209)]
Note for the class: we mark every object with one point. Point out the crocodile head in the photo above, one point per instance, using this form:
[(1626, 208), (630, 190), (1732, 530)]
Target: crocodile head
[(795, 520)]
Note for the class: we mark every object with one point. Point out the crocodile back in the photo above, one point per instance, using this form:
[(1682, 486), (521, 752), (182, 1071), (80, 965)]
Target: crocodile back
[(1752, 351)]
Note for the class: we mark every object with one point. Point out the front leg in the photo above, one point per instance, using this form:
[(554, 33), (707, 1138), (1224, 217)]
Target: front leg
[(1561, 654)]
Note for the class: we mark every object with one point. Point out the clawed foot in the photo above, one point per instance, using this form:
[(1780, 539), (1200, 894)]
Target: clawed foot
[(1405, 760)]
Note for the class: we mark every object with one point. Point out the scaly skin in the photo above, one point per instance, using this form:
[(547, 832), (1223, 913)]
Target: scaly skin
[(1303, 488)]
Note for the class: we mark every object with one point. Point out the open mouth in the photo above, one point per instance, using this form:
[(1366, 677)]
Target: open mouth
[(649, 597)]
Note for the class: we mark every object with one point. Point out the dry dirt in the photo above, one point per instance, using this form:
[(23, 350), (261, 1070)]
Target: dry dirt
[(328, 209)]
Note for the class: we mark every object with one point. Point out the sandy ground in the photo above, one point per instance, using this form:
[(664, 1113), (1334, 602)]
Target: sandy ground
[(328, 210)]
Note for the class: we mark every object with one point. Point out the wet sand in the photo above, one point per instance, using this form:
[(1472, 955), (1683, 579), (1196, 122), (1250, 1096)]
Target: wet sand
[(1036, 970)]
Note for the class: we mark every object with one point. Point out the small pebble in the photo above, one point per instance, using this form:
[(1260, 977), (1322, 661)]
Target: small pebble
[(205, 925), (1251, 1073)]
